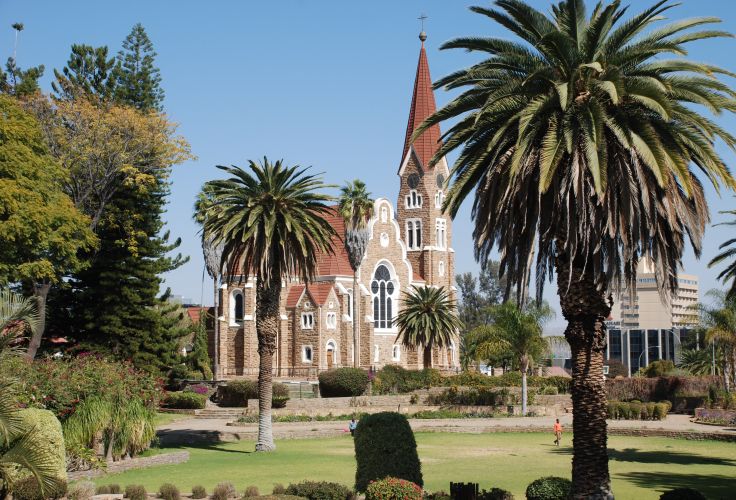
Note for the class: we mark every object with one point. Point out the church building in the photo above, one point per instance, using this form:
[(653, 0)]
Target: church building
[(410, 246)]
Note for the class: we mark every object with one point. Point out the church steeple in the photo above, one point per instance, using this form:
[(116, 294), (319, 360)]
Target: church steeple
[(422, 106)]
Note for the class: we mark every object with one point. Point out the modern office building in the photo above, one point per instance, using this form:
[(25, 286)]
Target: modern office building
[(643, 327)]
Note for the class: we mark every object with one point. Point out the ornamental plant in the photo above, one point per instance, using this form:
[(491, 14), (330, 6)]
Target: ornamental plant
[(343, 382), (392, 488)]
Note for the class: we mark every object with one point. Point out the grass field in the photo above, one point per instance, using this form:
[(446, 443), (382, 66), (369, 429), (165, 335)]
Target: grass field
[(641, 468)]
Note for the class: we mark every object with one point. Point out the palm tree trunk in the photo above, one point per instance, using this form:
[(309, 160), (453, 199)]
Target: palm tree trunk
[(267, 326), (524, 393), (216, 353), (356, 351), (428, 356), (41, 292), (585, 309)]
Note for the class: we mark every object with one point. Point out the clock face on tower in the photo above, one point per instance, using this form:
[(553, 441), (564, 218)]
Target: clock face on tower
[(440, 180), (413, 181)]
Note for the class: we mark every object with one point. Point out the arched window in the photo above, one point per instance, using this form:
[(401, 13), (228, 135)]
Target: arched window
[(237, 309), (441, 268), (383, 290), (414, 234), (413, 199), (439, 197), (441, 233), (376, 353), (396, 353)]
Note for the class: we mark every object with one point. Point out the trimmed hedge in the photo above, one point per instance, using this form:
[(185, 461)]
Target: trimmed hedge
[(481, 396), (682, 494), (237, 393), (168, 491), (320, 490), (393, 379), (549, 488), (385, 447), (392, 488), (636, 410), (185, 400), (683, 392), (342, 382)]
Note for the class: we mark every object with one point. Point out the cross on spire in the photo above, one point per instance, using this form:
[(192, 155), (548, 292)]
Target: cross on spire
[(422, 35)]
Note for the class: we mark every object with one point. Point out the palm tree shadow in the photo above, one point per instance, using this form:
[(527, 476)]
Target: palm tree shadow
[(189, 438), (715, 486), (665, 457)]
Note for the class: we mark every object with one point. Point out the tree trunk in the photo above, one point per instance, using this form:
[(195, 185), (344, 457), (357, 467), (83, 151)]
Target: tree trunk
[(356, 348), (267, 325), (524, 365), (41, 292), (428, 356), (585, 308), (216, 353)]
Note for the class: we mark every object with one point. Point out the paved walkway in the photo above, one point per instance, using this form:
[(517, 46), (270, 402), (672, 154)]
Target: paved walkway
[(193, 430)]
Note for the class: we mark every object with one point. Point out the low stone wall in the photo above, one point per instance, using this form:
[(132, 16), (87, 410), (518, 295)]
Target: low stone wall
[(133, 463)]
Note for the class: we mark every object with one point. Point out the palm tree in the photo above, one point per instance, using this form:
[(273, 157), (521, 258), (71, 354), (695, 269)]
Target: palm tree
[(516, 332), (356, 209), (212, 253), (720, 323), (17, 313), (271, 223), (428, 319), (577, 139), (17, 446), (728, 274)]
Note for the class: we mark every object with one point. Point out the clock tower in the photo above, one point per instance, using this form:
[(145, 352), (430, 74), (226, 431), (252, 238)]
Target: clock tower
[(426, 230)]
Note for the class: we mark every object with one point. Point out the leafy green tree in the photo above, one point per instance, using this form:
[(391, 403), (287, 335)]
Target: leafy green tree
[(88, 71), (728, 253), (199, 359), (515, 332), (427, 319), (272, 223), (43, 233), (356, 209), (577, 138), (138, 79)]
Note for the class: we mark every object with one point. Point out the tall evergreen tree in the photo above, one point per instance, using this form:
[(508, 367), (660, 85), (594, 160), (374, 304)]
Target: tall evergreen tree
[(88, 70), (138, 79)]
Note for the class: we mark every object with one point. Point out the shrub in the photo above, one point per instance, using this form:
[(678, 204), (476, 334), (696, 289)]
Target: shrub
[(437, 495), (135, 492), (549, 390), (28, 489), (549, 488), (280, 395), (251, 491), (343, 382), (658, 368), (237, 393), (83, 490), (392, 379), (320, 490), (223, 491), (185, 400), (495, 494), (278, 489), (46, 435), (562, 384), (385, 447), (682, 494), (657, 389), (635, 410), (168, 491), (616, 369), (392, 488), (660, 411), (199, 389), (480, 396), (199, 492)]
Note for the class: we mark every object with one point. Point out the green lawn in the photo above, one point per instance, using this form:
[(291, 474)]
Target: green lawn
[(641, 468)]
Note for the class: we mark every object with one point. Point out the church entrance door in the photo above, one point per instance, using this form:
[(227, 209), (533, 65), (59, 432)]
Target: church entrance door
[(330, 359)]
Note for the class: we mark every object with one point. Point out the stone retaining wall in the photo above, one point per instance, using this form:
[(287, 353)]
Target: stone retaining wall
[(133, 463)]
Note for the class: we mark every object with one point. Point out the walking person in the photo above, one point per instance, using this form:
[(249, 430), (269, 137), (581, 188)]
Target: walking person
[(558, 431), (352, 426)]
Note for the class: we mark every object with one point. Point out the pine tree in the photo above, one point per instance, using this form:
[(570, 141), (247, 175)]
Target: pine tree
[(88, 70), (138, 80)]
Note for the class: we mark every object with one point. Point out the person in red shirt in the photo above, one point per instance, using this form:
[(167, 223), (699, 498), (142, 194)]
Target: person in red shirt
[(558, 431)]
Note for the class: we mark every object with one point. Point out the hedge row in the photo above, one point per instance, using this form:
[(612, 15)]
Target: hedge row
[(636, 410), (394, 379), (660, 388), (184, 400), (343, 382), (482, 396), (238, 392)]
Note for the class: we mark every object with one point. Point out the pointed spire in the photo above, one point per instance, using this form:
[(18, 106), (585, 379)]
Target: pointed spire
[(422, 106)]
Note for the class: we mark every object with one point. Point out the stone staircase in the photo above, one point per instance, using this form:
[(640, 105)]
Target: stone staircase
[(222, 413)]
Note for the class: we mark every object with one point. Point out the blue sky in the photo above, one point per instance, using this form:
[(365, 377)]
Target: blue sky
[(322, 83)]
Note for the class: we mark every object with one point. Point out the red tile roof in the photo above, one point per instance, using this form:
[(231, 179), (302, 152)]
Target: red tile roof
[(337, 263), (292, 298), (195, 313), (320, 292), (422, 105)]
